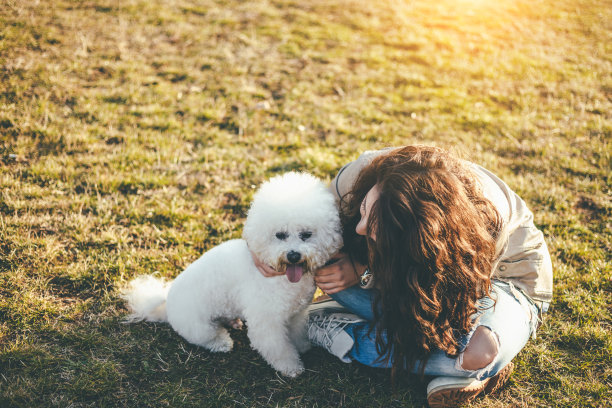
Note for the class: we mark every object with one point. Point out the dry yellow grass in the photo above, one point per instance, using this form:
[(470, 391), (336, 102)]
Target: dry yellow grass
[(133, 133)]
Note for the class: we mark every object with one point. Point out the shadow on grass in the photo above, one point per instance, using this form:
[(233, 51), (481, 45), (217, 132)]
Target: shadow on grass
[(149, 365)]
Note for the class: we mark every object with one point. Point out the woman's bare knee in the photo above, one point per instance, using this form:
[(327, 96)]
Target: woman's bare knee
[(481, 349)]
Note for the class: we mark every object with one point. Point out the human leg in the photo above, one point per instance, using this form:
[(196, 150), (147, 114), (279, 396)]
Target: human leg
[(500, 331), (506, 327), (495, 341), (357, 300)]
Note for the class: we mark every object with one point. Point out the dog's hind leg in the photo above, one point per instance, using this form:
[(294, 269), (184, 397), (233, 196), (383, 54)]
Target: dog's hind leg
[(270, 338), (212, 336)]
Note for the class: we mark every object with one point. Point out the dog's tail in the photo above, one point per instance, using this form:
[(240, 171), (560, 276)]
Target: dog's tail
[(146, 299)]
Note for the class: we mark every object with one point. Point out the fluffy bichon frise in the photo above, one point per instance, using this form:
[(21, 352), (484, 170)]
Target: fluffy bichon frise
[(293, 226)]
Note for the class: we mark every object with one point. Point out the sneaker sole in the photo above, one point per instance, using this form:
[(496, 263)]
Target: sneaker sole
[(453, 396), (500, 379)]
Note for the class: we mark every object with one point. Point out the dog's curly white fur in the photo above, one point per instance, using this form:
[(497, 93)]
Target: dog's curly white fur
[(293, 226)]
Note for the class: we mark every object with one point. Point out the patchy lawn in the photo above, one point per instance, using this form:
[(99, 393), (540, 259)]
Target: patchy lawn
[(133, 134)]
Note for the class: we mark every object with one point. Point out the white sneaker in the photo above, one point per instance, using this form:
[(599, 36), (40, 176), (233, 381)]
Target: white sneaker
[(452, 391), (327, 330)]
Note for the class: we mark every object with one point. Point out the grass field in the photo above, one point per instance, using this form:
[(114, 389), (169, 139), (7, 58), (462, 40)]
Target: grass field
[(133, 134)]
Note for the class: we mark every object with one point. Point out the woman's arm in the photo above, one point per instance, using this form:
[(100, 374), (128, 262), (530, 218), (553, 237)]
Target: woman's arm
[(339, 275)]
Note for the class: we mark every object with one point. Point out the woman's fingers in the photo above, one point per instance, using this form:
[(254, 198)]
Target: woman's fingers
[(329, 273), (266, 270), (329, 288), (332, 287), (336, 277), (331, 291), (322, 279)]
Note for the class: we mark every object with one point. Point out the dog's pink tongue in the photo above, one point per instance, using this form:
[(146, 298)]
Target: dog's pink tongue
[(294, 273)]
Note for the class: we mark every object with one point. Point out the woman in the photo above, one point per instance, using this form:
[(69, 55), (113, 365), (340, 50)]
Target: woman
[(457, 271)]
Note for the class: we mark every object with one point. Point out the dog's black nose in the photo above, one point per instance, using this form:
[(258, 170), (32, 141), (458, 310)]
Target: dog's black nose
[(294, 257)]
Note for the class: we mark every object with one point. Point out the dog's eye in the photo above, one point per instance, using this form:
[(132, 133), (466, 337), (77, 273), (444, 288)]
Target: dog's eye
[(281, 235), (304, 235)]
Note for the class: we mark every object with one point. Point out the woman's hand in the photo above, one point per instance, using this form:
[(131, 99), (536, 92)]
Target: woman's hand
[(339, 275), (266, 270)]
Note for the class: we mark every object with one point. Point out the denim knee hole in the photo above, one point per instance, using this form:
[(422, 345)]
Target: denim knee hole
[(492, 356)]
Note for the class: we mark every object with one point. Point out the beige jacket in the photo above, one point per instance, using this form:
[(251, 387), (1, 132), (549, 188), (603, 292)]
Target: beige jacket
[(524, 259)]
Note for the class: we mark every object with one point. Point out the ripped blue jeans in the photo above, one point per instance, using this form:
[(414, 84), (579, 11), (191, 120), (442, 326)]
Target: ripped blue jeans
[(513, 320)]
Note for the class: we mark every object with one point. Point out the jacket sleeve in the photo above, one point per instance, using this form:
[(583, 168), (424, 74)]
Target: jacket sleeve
[(343, 183)]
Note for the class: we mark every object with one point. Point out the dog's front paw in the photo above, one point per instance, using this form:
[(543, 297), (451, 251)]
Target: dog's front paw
[(292, 370)]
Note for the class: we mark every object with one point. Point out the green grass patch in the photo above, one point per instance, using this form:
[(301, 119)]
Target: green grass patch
[(132, 138)]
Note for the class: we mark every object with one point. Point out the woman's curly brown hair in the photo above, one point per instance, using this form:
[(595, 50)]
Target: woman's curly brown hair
[(433, 255)]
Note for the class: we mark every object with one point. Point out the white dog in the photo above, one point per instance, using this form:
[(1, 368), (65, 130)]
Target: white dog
[(292, 225)]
